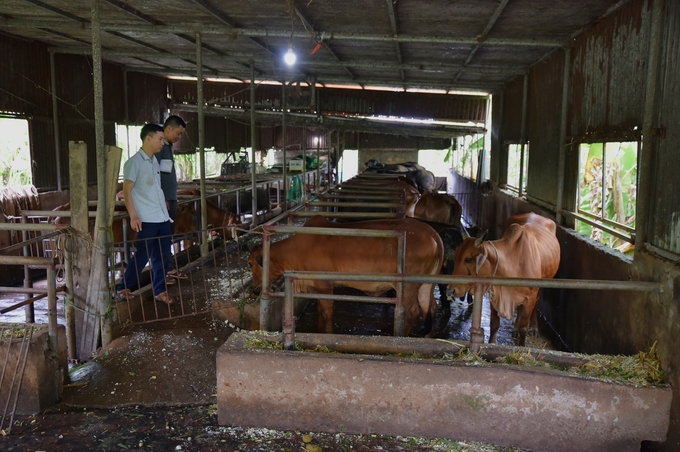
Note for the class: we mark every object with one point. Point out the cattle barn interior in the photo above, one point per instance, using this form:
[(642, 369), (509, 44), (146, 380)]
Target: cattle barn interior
[(567, 109)]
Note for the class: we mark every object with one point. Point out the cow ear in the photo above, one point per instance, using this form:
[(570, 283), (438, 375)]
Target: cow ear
[(481, 239), (480, 261)]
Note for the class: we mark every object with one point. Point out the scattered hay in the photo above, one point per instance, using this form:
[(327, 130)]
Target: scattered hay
[(643, 369), (262, 340), (18, 332), (525, 358)]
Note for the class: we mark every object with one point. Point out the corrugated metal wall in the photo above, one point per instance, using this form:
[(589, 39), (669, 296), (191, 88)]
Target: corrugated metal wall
[(543, 127), (665, 226), (609, 72), (411, 105), (512, 110), (25, 77), (25, 90), (147, 98)]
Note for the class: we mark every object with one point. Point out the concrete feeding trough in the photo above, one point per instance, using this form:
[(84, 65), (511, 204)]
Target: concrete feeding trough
[(366, 393), (32, 372)]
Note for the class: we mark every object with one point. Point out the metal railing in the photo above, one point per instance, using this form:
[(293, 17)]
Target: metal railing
[(480, 284), (51, 291), (220, 275)]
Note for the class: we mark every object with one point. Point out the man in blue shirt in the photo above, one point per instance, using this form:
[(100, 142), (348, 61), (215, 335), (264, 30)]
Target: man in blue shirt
[(145, 203)]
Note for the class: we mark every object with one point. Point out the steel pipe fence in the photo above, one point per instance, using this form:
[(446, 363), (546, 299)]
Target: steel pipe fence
[(480, 283), (220, 276), (51, 291), (267, 296)]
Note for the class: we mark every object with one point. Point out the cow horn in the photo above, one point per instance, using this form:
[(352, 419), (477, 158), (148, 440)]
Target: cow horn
[(481, 239)]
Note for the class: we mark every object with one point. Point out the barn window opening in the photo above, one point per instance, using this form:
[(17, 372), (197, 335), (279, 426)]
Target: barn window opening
[(518, 157), (15, 152), (433, 160), (469, 157), (607, 192), (127, 138), (188, 166), (348, 165)]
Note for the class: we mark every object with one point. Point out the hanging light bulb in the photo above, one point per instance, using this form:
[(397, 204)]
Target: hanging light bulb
[(290, 57)]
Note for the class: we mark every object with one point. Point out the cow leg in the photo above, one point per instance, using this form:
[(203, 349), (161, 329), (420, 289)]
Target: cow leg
[(426, 307), (521, 324), (533, 322), (495, 324), (325, 310)]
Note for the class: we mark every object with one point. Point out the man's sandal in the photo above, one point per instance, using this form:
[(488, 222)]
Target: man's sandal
[(177, 274), (163, 297)]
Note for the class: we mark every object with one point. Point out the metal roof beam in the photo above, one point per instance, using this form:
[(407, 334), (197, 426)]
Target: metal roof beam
[(338, 122), (308, 26), (58, 11), (482, 37), (411, 84), (369, 64), (395, 32), (265, 33), (226, 21), (146, 18), (133, 11)]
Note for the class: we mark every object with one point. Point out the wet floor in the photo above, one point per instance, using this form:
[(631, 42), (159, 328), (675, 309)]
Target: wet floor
[(378, 319), (39, 307)]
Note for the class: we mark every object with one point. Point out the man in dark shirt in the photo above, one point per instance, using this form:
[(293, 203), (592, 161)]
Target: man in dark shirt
[(173, 128)]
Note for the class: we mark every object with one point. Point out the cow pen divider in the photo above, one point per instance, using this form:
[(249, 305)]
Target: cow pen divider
[(48, 264), (481, 283), (266, 298)]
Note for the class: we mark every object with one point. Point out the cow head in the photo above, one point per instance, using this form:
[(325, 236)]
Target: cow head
[(255, 264), (185, 222), (469, 260), (223, 229)]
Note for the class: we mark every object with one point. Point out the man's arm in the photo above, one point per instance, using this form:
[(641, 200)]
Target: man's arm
[(135, 222)]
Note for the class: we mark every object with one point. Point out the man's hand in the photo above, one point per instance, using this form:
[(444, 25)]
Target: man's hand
[(135, 223)]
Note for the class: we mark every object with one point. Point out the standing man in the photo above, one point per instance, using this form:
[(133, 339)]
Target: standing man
[(173, 128), (145, 203)]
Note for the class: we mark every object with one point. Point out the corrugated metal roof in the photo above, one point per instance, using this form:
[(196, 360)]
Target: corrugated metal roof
[(413, 43)]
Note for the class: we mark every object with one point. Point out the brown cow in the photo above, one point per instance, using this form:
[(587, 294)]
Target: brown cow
[(528, 249), (438, 208), (411, 193), (424, 255), (217, 218)]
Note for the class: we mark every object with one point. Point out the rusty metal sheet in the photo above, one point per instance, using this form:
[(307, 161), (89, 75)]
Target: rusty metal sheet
[(609, 72), (512, 110), (665, 218), (543, 127)]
